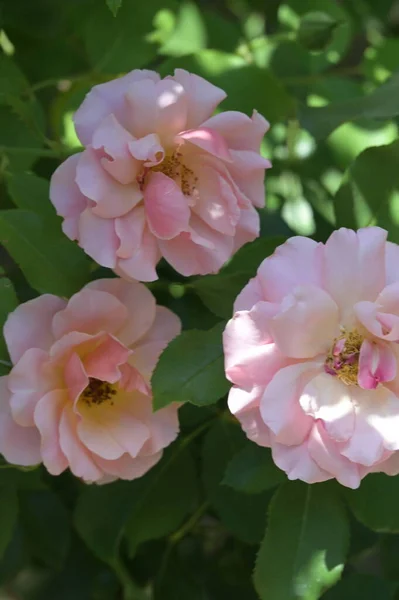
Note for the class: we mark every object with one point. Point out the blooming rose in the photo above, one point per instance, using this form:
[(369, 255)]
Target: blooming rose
[(79, 393), (313, 352), (160, 176)]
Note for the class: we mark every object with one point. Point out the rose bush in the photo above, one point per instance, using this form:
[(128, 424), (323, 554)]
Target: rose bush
[(143, 454)]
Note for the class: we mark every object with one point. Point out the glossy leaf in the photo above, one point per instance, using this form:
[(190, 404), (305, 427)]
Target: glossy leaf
[(380, 104), (305, 545), (252, 470), (191, 369), (174, 481), (221, 443), (50, 266)]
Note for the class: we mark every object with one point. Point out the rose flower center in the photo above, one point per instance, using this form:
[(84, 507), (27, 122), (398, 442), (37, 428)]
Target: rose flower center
[(173, 167), (343, 358), (97, 392)]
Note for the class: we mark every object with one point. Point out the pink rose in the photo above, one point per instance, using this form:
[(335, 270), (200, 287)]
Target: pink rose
[(161, 177), (79, 393), (313, 352)]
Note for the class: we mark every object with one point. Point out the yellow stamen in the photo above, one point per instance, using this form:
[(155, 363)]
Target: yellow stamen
[(343, 359), (97, 392)]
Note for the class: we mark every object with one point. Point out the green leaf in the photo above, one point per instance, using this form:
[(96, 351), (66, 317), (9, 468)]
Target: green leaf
[(369, 191), (316, 30), (30, 192), (101, 515), (174, 481), (50, 265), (375, 502), (189, 35), (191, 369), (380, 104), (305, 545), (243, 515), (128, 41), (114, 6), (360, 586), (8, 303), (218, 292), (8, 516), (252, 470), (46, 524)]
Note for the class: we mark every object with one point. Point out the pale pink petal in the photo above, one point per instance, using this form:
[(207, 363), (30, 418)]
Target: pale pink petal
[(127, 467), (147, 149), (244, 404), (376, 426), (105, 99), (98, 238), (199, 252), (202, 97), (147, 349), (248, 227), (306, 323), (249, 296), (248, 171), (326, 454), (19, 445), (251, 357), (296, 262), (164, 429), (140, 304), (67, 198), (29, 325), (114, 140), (110, 430), (159, 107), (103, 363), (78, 457), (141, 265), (327, 399), (90, 311), (354, 267), (47, 419), (377, 363), (208, 140), (75, 377), (28, 381), (112, 199), (391, 263), (280, 407), (166, 207), (297, 463), (217, 204), (382, 325), (390, 465), (130, 230), (240, 131)]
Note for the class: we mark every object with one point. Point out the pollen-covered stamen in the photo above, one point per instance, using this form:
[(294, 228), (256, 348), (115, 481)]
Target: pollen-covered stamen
[(173, 167), (97, 392), (343, 358)]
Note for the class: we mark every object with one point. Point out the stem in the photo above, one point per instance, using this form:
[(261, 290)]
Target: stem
[(6, 363), (131, 591), (190, 524)]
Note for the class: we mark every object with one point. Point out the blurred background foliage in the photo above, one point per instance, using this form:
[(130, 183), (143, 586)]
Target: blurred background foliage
[(325, 73)]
